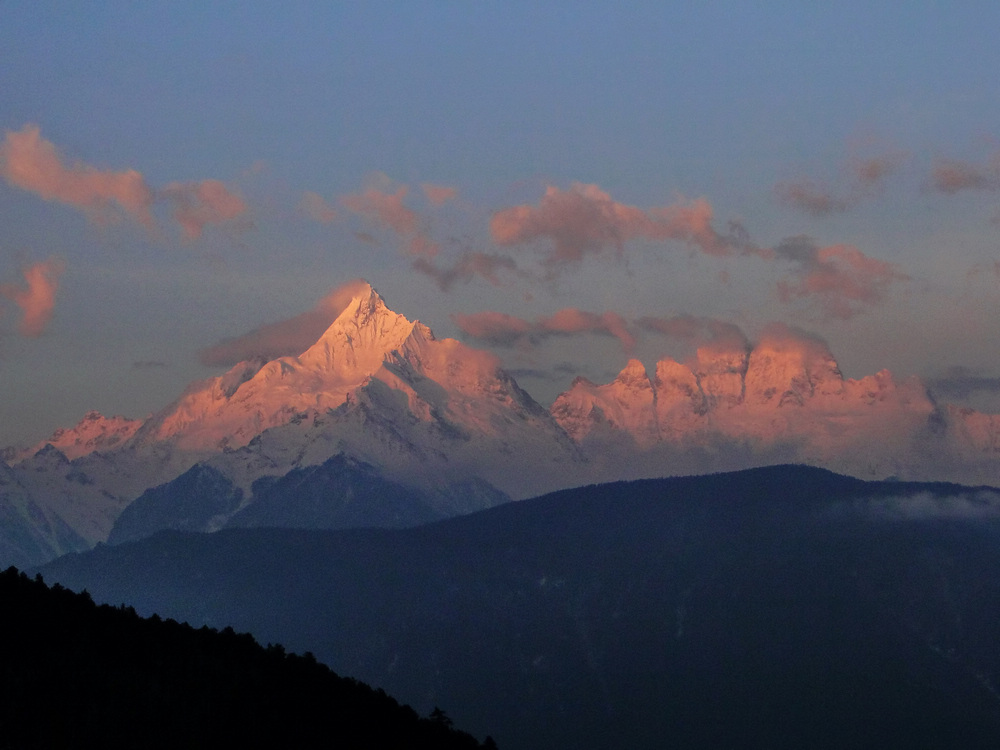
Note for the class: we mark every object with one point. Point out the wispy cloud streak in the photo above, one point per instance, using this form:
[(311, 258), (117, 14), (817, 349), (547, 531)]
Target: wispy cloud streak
[(36, 298), (197, 204), (32, 163), (468, 266), (500, 329), (950, 177), (585, 220), (817, 199), (842, 279), (438, 195)]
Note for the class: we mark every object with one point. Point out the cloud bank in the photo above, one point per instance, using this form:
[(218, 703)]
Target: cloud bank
[(566, 227), (961, 382), (585, 220)]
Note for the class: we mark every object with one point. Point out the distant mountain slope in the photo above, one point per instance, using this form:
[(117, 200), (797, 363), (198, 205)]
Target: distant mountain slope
[(340, 493), (29, 532), (772, 608), (78, 675), (94, 432)]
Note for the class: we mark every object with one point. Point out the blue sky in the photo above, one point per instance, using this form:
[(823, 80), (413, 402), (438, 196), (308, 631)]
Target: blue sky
[(847, 157)]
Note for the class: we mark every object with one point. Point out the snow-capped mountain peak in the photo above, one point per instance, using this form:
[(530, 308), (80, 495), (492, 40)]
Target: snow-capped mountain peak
[(626, 403), (784, 370), (358, 341), (377, 385), (633, 377), (94, 432)]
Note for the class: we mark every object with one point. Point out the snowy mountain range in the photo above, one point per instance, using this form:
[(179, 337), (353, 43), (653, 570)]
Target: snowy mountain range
[(443, 421), (784, 400)]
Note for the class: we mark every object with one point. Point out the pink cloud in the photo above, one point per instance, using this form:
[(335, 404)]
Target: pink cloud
[(700, 331), (438, 195), (29, 162), (287, 337), (421, 246), (579, 220), (816, 199), (317, 209), (692, 223), (501, 329), (197, 204), (585, 220), (809, 197), (873, 170), (840, 278), (572, 320), (493, 327), (388, 210), (467, 267), (383, 208), (37, 298), (953, 176)]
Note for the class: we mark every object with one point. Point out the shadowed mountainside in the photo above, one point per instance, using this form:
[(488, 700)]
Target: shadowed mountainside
[(777, 607)]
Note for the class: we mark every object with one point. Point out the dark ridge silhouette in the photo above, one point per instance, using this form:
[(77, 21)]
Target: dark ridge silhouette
[(75, 674), (782, 607)]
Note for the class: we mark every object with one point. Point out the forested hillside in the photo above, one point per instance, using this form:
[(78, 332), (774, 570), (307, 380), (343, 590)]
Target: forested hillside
[(80, 675)]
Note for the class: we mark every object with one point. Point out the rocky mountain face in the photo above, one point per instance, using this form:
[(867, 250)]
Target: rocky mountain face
[(785, 399), (448, 424)]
